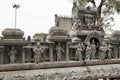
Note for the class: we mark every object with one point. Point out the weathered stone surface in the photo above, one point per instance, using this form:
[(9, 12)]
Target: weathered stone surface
[(71, 39), (58, 34), (69, 73), (11, 32), (52, 65)]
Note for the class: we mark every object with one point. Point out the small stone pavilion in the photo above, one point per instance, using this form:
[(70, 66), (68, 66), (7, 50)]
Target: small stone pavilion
[(12, 37), (75, 49)]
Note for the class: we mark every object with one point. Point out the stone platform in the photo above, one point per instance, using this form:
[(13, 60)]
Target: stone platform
[(72, 70)]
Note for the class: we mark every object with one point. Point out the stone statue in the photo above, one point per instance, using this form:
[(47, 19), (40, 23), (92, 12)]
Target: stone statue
[(88, 52), (76, 24), (93, 47), (79, 52), (59, 52), (44, 52), (89, 22), (12, 55), (103, 51), (109, 51), (56, 20), (38, 55)]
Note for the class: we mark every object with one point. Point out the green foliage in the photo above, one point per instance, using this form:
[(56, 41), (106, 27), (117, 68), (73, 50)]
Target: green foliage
[(83, 2), (40, 35)]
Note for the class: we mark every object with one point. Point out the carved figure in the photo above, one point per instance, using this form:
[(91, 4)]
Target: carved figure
[(12, 55), (88, 52), (38, 56), (59, 52), (43, 52), (103, 50), (28, 54), (109, 51), (77, 23), (93, 47), (39, 77), (89, 22), (79, 52)]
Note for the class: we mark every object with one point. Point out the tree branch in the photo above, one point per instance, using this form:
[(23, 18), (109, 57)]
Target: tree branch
[(100, 8), (93, 2)]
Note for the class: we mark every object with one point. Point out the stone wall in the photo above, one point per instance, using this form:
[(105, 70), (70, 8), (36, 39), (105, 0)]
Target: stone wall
[(65, 23), (62, 73)]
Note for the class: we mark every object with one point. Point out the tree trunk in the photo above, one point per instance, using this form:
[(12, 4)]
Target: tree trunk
[(99, 9)]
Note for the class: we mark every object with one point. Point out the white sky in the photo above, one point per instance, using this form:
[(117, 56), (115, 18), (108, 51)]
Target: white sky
[(35, 16)]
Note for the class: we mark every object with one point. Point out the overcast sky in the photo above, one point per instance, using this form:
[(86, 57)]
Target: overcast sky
[(35, 16)]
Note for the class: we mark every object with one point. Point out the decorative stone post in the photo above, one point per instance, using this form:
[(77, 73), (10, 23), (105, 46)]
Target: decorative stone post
[(51, 52), (67, 51), (119, 52), (23, 55), (115, 51), (1, 54)]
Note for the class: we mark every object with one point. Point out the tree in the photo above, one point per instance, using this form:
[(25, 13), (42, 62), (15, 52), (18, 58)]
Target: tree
[(106, 9), (40, 36)]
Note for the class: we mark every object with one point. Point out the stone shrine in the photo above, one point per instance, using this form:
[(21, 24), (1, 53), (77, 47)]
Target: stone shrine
[(75, 49)]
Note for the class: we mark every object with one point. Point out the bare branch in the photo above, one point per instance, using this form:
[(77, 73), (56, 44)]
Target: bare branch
[(93, 2), (100, 8)]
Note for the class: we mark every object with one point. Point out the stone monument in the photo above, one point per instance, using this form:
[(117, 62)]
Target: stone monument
[(75, 49)]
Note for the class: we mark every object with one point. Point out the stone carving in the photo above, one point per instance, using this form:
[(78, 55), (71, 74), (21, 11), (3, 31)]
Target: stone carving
[(19, 77), (2, 77), (44, 52), (12, 55), (76, 24), (59, 41), (59, 51), (79, 52), (72, 75), (56, 20), (94, 34), (57, 75), (93, 47), (38, 56), (89, 21), (39, 77), (65, 78), (116, 51), (29, 54), (103, 50), (109, 51), (88, 52), (1, 54)]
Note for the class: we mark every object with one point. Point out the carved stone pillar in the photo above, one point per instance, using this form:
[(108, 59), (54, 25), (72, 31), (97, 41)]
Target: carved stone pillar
[(67, 51), (1, 54), (116, 50), (23, 55), (119, 52), (51, 52)]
